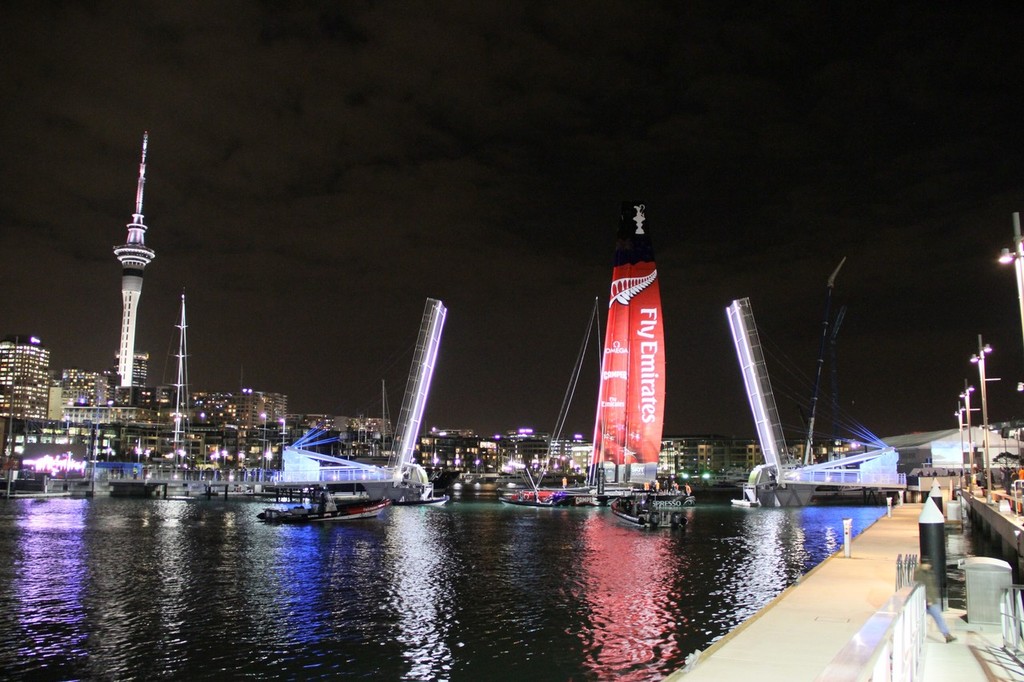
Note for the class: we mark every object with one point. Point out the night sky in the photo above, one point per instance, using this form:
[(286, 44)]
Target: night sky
[(317, 170)]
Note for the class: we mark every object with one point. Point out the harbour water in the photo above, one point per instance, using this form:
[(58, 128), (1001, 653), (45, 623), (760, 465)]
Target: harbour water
[(127, 589)]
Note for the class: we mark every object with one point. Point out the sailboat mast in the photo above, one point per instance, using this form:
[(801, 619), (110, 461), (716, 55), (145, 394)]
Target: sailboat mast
[(181, 388), (384, 416), (809, 442)]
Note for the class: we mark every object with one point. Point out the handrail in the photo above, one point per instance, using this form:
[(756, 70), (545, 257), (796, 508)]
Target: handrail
[(853, 477), (1012, 610), (889, 646), (905, 569)]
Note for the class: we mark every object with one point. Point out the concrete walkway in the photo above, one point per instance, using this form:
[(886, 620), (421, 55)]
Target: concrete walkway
[(795, 637)]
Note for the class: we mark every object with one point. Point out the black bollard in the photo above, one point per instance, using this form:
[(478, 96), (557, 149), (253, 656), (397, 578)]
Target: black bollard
[(932, 527), (936, 495)]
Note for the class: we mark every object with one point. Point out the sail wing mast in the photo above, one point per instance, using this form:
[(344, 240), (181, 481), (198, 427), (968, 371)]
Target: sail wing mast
[(631, 399)]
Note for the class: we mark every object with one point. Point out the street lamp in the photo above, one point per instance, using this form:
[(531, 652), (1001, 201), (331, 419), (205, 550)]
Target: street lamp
[(1017, 258), (979, 359), (263, 428), (966, 396)]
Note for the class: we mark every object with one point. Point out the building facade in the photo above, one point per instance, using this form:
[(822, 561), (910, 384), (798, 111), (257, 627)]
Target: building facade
[(24, 378)]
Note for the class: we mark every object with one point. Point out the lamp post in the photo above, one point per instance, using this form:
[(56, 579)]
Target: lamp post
[(263, 438), (1017, 258), (959, 414), (979, 359), (966, 395)]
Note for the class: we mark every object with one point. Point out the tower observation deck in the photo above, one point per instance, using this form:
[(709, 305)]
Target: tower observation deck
[(134, 256)]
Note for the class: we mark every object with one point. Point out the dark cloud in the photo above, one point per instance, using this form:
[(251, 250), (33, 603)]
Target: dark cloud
[(316, 171)]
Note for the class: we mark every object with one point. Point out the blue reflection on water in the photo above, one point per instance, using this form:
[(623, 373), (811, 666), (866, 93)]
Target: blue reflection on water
[(140, 589)]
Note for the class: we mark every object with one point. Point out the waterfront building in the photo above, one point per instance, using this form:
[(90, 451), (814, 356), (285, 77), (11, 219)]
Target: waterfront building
[(570, 455), (456, 449), (81, 387), (711, 454), (24, 378), (134, 256), (523, 447), (109, 414)]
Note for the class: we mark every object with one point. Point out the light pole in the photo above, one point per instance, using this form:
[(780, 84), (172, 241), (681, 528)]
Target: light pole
[(959, 414), (966, 395), (1017, 258), (280, 462), (979, 359), (263, 438)]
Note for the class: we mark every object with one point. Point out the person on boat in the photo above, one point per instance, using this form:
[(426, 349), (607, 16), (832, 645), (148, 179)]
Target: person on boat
[(688, 490), (932, 599)]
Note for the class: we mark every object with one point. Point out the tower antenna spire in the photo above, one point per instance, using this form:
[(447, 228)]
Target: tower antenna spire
[(142, 178), (134, 256)]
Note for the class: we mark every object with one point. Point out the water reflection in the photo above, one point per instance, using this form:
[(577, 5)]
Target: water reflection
[(630, 592), (142, 589), (48, 578), (420, 568)]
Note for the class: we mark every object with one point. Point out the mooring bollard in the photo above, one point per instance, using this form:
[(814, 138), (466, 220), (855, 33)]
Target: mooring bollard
[(847, 532), (936, 495), (888, 507), (931, 527)]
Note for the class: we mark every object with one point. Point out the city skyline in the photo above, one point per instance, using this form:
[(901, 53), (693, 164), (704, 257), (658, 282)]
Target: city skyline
[(315, 174)]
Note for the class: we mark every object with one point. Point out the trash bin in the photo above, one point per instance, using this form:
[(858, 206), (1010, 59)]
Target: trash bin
[(985, 579)]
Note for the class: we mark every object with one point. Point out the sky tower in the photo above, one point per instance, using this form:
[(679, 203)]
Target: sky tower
[(134, 257)]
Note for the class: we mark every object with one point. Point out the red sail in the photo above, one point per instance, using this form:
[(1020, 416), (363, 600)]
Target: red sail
[(631, 402)]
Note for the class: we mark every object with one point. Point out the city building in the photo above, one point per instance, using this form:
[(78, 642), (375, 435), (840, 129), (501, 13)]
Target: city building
[(24, 378), (81, 387), (708, 454)]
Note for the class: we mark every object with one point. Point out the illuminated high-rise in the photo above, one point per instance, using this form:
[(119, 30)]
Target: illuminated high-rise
[(24, 378), (134, 256)]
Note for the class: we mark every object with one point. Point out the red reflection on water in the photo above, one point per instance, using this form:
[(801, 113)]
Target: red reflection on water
[(627, 576)]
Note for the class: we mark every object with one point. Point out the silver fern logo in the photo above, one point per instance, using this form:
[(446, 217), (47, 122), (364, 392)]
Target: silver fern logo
[(626, 288)]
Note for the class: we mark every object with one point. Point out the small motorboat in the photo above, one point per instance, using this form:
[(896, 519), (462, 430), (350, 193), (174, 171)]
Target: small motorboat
[(538, 498), (642, 511), (430, 501), (329, 509)]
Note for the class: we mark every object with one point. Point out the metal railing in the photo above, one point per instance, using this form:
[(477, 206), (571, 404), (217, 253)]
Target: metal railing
[(850, 477), (1012, 611), (905, 568), (890, 645)]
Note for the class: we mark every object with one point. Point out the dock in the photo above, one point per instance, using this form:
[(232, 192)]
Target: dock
[(803, 631)]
